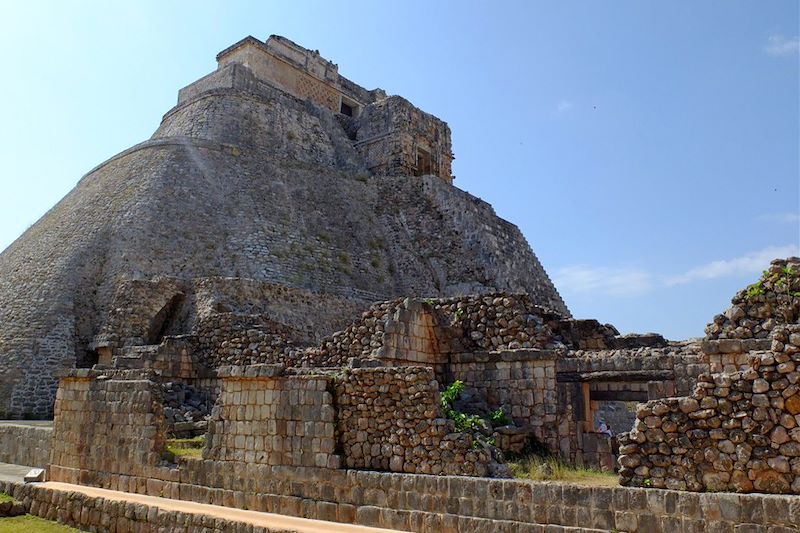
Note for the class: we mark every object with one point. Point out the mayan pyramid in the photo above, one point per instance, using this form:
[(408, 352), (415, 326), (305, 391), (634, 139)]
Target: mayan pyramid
[(303, 194)]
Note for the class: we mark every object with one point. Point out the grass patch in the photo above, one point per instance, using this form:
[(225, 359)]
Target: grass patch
[(6, 498), (537, 468), (188, 453), (194, 442), (32, 524), (188, 448)]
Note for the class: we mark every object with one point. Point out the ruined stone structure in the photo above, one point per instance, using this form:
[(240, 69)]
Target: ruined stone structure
[(275, 187), (286, 270), (739, 429)]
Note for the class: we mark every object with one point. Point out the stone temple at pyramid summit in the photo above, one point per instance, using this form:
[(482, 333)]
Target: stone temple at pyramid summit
[(286, 275)]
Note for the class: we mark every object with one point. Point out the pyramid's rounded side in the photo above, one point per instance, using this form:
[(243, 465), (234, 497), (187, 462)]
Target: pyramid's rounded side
[(250, 185)]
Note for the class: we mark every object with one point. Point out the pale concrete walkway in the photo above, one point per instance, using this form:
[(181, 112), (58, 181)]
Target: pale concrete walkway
[(28, 423), (13, 473), (273, 521)]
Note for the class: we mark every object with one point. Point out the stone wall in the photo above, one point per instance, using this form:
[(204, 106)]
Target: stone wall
[(92, 513), (25, 445), (427, 331), (395, 138), (737, 431), (436, 504), (522, 382), (108, 423), (390, 419), (297, 70), (225, 339), (142, 312), (771, 301), (264, 417)]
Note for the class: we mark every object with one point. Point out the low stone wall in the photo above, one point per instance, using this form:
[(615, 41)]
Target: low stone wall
[(25, 445), (390, 419), (91, 513), (457, 504), (263, 417), (107, 422), (738, 431)]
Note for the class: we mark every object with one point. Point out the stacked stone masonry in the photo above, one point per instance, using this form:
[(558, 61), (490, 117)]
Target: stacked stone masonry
[(25, 445), (738, 431), (262, 417), (107, 423), (759, 308), (436, 504), (89, 513), (390, 419)]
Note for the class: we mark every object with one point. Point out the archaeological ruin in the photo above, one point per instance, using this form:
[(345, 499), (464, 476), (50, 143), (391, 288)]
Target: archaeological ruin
[(286, 272)]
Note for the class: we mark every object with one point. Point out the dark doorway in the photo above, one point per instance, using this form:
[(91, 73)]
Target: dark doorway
[(164, 320), (423, 162)]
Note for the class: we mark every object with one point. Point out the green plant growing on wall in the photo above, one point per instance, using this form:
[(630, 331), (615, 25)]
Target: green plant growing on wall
[(779, 281), (756, 289), (463, 422), (498, 417)]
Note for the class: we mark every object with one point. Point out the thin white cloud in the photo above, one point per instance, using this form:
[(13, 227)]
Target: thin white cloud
[(603, 280), (628, 282), (781, 46), (564, 106), (752, 263), (781, 218)]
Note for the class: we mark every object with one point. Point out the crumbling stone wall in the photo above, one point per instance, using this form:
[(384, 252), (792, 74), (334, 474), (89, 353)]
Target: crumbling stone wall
[(141, 312), (770, 302), (226, 339), (390, 419), (396, 331), (264, 417), (304, 316), (107, 423), (737, 431)]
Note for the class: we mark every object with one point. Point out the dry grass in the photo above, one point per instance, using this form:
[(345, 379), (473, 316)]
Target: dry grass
[(538, 468)]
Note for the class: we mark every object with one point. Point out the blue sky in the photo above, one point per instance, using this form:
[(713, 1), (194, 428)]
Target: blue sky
[(648, 151)]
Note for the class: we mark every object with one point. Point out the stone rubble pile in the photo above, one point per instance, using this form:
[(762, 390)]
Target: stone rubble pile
[(758, 309), (186, 409), (739, 431)]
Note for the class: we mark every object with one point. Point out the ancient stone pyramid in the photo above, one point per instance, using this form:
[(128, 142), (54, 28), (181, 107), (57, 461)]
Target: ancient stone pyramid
[(274, 170)]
